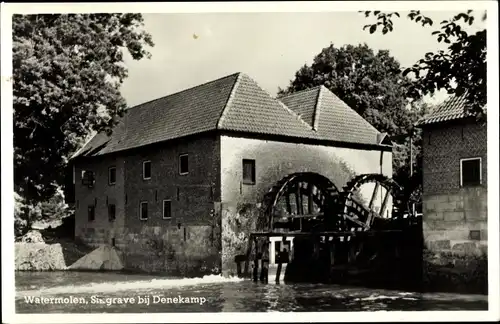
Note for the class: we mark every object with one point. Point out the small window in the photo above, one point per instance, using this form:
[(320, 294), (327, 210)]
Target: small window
[(167, 209), (248, 171), (146, 170), (88, 178), (475, 235), (111, 212), (143, 212), (112, 175), (91, 213), (470, 172), (183, 164)]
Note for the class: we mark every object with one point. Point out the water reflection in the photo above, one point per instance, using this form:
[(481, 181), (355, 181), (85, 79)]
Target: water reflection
[(223, 295)]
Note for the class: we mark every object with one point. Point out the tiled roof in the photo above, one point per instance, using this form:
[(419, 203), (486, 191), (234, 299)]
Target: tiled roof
[(303, 103), (451, 109), (188, 112), (235, 103), (251, 109), (332, 118)]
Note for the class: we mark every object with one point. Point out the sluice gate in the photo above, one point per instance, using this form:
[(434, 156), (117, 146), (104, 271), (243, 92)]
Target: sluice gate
[(338, 236)]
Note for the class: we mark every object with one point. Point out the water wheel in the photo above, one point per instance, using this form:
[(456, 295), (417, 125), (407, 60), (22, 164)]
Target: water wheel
[(362, 214), (300, 202)]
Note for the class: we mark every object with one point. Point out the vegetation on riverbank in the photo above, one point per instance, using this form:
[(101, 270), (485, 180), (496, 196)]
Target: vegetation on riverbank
[(452, 272)]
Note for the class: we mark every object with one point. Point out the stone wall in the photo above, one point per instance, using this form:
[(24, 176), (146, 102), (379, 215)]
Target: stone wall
[(455, 217), (273, 161), (188, 242)]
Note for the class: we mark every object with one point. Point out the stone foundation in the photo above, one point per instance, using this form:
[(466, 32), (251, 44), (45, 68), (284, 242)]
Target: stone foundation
[(183, 250), (455, 271), (237, 223), (455, 235)]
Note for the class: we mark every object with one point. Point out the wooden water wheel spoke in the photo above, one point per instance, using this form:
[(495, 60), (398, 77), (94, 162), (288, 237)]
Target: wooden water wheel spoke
[(310, 206), (288, 205), (384, 203), (374, 195), (298, 200)]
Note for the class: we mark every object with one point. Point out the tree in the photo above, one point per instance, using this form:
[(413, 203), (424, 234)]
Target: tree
[(67, 72), (401, 160), (461, 70), (373, 85)]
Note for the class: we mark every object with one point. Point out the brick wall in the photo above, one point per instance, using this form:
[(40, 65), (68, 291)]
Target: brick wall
[(187, 241), (450, 211)]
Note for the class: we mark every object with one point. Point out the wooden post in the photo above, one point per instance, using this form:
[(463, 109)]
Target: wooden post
[(278, 271), (256, 261), (315, 240), (264, 272), (384, 204), (283, 257), (239, 259), (247, 259), (331, 250), (238, 268)]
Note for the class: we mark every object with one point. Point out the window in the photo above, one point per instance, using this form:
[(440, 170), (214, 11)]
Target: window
[(470, 172), (112, 175), (88, 178), (111, 212), (91, 213), (146, 170), (143, 210), (248, 171), (167, 209), (183, 164)]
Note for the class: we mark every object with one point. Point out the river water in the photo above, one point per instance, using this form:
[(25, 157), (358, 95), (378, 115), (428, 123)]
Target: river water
[(91, 292)]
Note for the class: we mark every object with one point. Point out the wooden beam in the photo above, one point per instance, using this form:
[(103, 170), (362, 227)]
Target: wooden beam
[(354, 220), (288, 205), (374, 195), (302, 216), (310, 201), (384, 203), (329, 233), (249, 250), (298, 200)]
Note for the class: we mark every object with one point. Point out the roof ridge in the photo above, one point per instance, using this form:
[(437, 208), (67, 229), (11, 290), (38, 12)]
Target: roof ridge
[(184, 90), (229, 101), (299, 118), (317, 108), (301, 91)]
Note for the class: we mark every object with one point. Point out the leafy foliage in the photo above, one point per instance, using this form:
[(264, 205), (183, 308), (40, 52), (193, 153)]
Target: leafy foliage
[(373, 85), (67, 70), (461, 70), (26, 213)]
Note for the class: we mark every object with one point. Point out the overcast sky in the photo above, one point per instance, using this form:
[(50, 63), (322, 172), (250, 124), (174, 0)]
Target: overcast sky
[(269, 47)]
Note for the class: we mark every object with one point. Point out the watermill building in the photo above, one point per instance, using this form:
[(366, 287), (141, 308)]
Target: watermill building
[(182, 178)]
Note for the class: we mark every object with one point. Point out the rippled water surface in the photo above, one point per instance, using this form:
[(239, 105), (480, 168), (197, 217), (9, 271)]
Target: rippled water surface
[(87, 292)]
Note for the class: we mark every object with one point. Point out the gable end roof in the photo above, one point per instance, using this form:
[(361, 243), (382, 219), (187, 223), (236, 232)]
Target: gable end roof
[(331, 117), (453, 108)]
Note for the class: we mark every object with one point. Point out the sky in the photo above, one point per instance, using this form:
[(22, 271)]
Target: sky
[(193, 48)]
